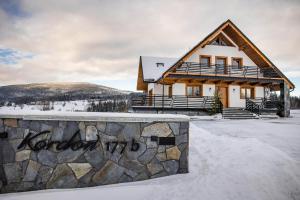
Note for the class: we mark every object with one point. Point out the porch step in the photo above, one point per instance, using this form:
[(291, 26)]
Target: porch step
[(238, 113), (269, 114)]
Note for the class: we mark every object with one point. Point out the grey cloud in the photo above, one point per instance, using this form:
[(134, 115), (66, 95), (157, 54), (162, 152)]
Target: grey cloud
[(78, 39)]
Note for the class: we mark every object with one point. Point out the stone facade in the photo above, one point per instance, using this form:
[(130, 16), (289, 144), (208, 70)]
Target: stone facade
[(41, 154), (285, 99)]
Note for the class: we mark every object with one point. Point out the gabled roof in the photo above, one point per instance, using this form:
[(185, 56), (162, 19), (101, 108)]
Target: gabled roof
[(243, 42), (151, 72)]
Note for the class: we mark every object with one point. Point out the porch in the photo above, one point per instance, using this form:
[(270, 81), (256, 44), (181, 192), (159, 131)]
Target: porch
[(210, 104)]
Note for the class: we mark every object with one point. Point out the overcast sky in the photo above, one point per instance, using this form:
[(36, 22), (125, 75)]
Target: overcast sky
[(101, 41)]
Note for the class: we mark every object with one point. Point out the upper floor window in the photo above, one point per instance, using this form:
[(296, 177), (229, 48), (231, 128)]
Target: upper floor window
[(237, 62), (205, 60), (160, 64)]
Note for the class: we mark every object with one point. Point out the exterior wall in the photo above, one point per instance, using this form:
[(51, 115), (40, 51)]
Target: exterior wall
[(70, 154), (227, 51), (259, 92), (158, 89), (209, 89), (234, 95), (179, 89)]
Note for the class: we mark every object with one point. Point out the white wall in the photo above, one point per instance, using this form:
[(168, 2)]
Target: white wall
[(206, 91), (234, 97), (158, 88), (259, 92), (214, 50), (178, 89)]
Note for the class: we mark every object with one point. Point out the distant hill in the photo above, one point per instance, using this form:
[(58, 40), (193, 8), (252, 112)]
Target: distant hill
[(56, 91)]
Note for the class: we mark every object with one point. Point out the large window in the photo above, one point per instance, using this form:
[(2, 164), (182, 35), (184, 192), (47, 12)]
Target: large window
[(247, 93), (193, 90), (205, 61), (237, 62)]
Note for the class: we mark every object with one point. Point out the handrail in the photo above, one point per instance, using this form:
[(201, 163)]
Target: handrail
[(228, 70)]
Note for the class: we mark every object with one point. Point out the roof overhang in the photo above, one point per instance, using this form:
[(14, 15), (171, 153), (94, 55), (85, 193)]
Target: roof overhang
[(244, 44)]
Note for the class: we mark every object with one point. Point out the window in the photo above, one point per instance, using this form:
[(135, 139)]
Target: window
[(237, 62), (219, 42), (247, 93), (193, 90), (221, 65), (160, 64), (221, 61), (205, 61)]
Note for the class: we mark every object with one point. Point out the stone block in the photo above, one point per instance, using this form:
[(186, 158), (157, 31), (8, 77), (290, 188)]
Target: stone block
[(31, 171), (173, 153), (11, 123), (13, 172), (157, 129), (113, 128), (171, 166), (23, 155), (91, 133), (108, 174), (47, 158), (62, 177), (147, 156), (80, 169)]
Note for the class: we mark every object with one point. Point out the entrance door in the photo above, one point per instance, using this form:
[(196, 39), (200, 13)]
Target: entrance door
[(223, 94)]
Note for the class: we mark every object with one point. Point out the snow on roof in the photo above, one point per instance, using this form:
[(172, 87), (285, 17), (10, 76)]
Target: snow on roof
[(150, 68)]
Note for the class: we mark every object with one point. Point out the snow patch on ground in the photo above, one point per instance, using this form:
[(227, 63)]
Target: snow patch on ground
[(222, 166)]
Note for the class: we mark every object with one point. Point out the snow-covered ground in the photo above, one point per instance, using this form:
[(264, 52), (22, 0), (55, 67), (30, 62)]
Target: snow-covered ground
[(63, 106), (229, 159)]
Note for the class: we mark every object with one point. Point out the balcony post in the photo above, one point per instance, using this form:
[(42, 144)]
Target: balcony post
[(163, 97)]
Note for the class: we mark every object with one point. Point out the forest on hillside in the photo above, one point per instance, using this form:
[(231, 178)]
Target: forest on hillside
[(295, 102)]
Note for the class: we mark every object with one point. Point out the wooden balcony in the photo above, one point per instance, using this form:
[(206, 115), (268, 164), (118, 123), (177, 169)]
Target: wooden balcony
[(225, 70), (176, 102)]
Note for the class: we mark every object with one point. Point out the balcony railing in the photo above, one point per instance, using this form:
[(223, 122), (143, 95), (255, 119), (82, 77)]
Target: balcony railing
[(259, 105), (225, 70), (177, 102)]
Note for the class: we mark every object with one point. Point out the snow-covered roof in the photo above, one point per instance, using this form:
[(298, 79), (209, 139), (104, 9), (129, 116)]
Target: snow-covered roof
[(151, 71)]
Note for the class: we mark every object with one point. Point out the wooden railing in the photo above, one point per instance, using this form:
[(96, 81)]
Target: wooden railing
[(177, 102), (226, 70)]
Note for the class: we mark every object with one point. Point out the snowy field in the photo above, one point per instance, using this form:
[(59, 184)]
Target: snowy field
[(229, 159), (61, 106)]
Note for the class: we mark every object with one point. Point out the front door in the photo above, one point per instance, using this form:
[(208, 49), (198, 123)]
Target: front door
[(223, 94)]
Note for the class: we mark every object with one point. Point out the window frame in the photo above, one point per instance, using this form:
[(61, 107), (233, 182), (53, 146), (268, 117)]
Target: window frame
[(205, 56), (241, 62), (252, 92), (193, 90)]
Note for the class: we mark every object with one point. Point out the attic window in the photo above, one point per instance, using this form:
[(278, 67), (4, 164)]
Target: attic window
[(160, 64), (219, 41)]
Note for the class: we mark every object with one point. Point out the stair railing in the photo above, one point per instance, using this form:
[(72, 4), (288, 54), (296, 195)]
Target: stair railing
[(252, 107)]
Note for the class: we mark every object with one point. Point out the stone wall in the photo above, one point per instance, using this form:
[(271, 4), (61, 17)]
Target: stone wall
[(44, 154)]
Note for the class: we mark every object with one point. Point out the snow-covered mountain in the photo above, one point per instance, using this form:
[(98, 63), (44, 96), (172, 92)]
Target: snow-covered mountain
[(56, 91)]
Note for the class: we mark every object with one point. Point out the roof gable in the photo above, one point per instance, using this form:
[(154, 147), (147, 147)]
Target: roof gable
[(243, 44)]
